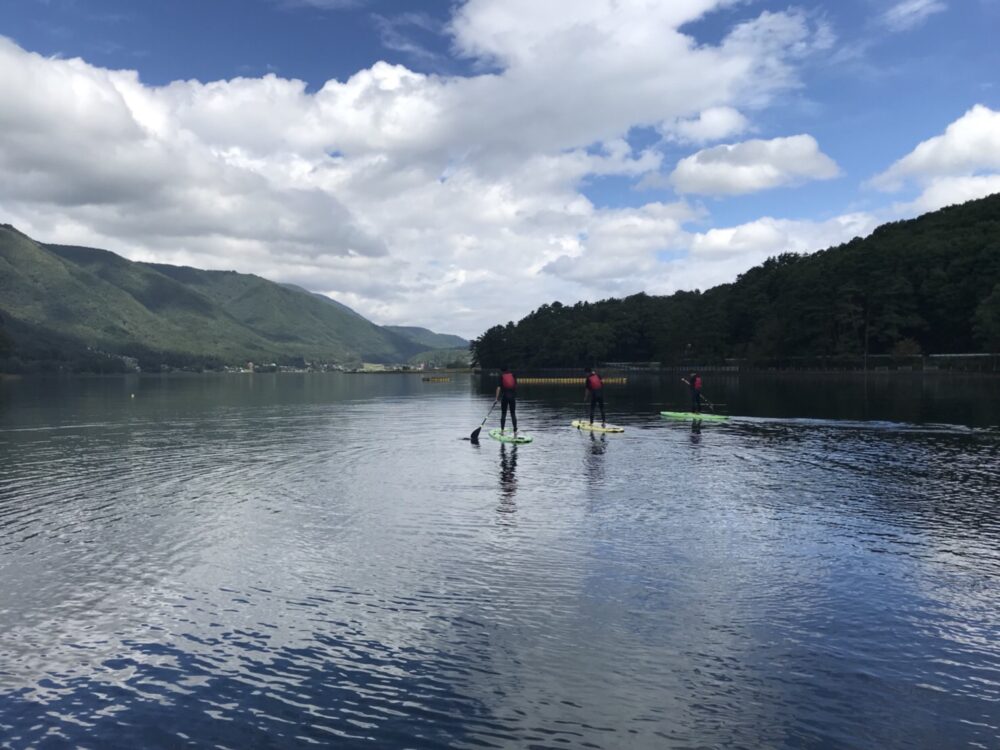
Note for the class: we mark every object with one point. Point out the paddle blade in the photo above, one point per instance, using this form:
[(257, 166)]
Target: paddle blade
[(474, 437)]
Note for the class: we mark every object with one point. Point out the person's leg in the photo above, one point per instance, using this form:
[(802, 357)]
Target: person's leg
[(592, 400), (604, 421), (513, 414), (503, 412)]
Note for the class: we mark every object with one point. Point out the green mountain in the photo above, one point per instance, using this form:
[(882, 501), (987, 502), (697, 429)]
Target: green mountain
[(73, 306), (428, 339), (433, 344), (929, 285), (328, 300), (461, 357)]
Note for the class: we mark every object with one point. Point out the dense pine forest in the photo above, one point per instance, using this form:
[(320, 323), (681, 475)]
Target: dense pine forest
[(926, 286)]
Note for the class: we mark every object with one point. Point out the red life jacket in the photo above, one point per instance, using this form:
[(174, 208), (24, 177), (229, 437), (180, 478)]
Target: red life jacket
[(507, 381), (594, 382), (697, 383)]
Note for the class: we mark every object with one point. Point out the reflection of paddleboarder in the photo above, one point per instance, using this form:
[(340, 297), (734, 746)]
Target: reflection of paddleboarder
[(508, 470), (598, 445), (694, 384), (507, 393), (595, 460)]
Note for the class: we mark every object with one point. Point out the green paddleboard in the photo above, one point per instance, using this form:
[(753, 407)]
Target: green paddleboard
[(507, 436), (581, 424), (708, 417)]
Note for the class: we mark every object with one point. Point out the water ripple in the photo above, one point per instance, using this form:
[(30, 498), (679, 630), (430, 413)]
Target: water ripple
[(312, 563)]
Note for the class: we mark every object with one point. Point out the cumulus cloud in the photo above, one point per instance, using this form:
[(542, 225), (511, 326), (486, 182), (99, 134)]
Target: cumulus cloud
[(909, 14), (959, 165), (718, 255), (768, 236), (753, 165), (968, 145), (947, 191), (713, 124), (617, 252), (449, 201)]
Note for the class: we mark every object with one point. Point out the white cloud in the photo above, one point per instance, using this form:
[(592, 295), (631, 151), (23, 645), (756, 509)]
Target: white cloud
[(909, 14), (441, 200), (619, 253), (519, 33), (712, 124), (768, 236), (970, 144), (960, 165), (947, 191), (718, 255), (753, 165)]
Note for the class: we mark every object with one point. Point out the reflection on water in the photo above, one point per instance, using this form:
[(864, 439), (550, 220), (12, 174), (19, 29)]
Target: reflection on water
[(508, 472), (598, 444), (281, 561), (696, 432)]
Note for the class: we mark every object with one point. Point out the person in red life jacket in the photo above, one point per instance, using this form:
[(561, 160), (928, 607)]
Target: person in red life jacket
[(595, 388), (507, 393), (695, 385)]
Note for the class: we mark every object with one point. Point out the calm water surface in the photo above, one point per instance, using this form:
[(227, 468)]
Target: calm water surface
[(300, 560)]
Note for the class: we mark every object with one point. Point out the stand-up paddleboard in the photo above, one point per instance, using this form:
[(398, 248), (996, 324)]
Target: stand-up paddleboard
[(708, 417), (582, 424), (507, 436)]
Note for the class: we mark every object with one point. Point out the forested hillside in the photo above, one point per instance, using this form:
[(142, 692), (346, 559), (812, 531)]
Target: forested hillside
[(66, 307), (928, 285)]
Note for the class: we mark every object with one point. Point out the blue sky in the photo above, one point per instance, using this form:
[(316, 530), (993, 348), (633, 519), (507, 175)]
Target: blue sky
[(216, 39), (511, 153)]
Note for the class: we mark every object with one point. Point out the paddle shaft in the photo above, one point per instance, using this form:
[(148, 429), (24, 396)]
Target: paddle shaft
[(475, 433), (710, 404)]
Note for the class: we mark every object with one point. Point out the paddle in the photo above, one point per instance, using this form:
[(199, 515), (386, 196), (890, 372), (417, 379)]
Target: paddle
[(710, 404), (474, 437)]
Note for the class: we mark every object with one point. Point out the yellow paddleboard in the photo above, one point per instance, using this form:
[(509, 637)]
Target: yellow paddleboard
[(582, 424)]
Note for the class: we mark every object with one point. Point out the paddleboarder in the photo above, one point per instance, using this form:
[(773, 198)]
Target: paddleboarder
[(595, 389), (507, 393), (694, 384)]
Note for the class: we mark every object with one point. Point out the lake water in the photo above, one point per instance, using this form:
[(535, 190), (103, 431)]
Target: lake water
[(276, 561)]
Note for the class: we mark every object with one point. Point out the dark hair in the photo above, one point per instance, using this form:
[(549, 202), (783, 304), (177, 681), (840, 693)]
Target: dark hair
[(505, 368), (588, 370)]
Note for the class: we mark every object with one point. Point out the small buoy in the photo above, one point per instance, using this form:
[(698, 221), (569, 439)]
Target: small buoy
[(133, 395)]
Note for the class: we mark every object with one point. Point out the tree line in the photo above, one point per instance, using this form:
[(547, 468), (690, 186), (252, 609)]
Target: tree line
[(925, 286)]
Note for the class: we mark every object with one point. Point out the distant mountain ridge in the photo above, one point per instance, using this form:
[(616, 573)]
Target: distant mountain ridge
[(63, 302), (327, 300), (429, 339)]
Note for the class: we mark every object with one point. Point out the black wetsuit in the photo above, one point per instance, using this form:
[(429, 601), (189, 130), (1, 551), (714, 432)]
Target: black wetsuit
[(508, 400), (596, 397)]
